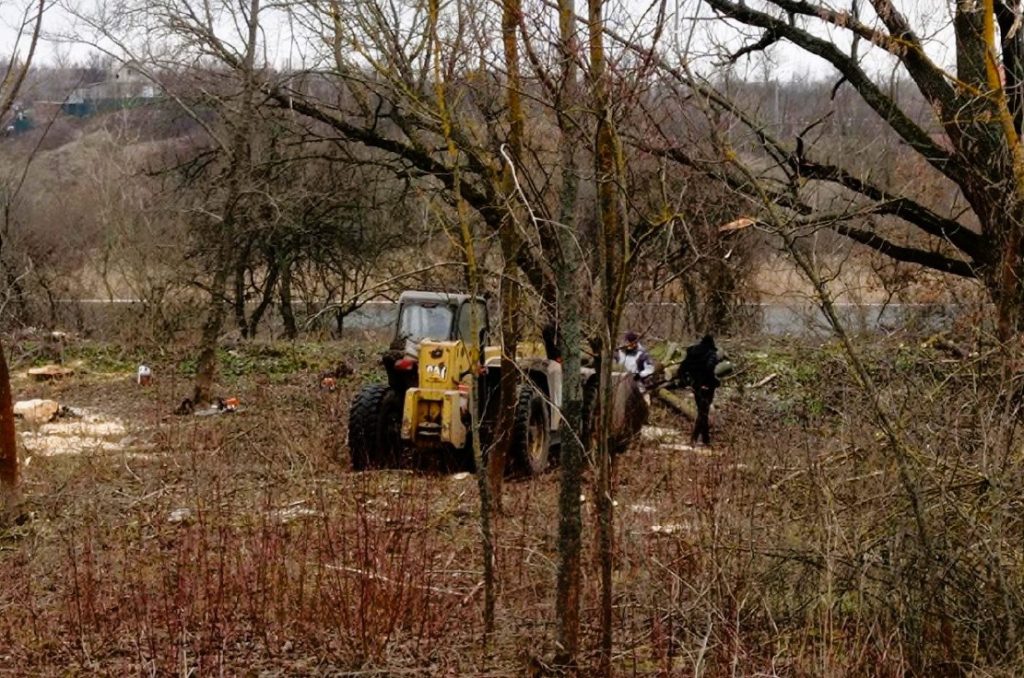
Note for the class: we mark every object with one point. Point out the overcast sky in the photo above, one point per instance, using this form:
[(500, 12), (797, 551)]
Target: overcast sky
[(931, 19)]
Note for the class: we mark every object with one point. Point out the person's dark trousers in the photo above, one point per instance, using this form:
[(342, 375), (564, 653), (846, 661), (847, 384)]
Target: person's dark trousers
[(703, 395)]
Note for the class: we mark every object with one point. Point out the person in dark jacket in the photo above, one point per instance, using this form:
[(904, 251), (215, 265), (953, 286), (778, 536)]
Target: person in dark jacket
[(698, 371)]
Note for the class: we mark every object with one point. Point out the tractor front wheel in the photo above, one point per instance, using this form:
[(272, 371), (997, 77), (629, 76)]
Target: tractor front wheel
[(531, 434), (374, 426)]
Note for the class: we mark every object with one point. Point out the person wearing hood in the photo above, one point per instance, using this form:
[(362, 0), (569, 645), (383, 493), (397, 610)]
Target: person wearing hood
[(698, 371)]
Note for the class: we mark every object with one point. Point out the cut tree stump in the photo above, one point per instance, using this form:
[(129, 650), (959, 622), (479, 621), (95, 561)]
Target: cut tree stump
[(48, 372), (36, 411)]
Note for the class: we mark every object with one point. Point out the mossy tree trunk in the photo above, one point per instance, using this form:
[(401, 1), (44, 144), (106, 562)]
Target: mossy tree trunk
[(511, 243)]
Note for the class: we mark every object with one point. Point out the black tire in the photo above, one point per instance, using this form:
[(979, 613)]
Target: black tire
[(373, 427), (531, 433), (622, 434)]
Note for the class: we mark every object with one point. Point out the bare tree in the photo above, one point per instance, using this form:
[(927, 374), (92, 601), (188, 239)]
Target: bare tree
[(239, 152)]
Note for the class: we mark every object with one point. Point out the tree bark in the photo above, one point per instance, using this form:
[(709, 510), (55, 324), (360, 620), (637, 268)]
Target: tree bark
[(511, 243), (9, 471), (569, 332), (269, 287), (239, 297), (206, 365), (611, 255), (291, 329), (508, 384)]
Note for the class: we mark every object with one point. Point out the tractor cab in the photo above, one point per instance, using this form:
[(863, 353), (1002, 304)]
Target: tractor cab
[(437, 337), (440, 317)]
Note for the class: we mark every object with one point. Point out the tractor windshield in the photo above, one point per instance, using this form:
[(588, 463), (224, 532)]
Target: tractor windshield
[(425, 321)]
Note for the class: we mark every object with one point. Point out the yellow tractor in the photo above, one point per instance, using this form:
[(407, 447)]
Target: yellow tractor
[(422, 413)]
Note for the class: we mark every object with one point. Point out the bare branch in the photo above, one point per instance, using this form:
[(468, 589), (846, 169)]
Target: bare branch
[(15, 76), (901, 123)]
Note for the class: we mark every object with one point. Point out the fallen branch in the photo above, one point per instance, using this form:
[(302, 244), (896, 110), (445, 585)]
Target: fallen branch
[(764, 382)]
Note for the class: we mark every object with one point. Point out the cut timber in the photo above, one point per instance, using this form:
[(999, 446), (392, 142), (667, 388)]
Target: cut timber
[(36, 411), (681, 405), (47, 372)]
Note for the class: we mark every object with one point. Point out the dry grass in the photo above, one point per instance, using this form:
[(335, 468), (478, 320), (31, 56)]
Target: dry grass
[(238, 544)]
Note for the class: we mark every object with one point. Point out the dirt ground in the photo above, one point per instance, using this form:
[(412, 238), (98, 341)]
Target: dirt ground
[(242, 543)]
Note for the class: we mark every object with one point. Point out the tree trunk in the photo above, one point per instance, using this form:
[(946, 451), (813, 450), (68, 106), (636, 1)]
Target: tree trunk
[(510, 301), (206, 366), (570, 521), (480, 453), (240, 158), (269, 287), (605, 506), (1007, 285), (569, 332), (511, 242), (9, 489), (291, 330), (612, 255), (239, 300), (721, 295)]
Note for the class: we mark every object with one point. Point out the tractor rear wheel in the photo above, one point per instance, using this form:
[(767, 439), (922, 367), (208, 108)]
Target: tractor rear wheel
[(374, 425), (531, 433)]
